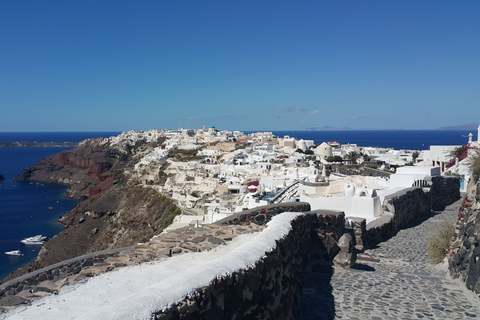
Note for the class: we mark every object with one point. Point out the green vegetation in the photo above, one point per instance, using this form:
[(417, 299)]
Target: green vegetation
[(170, 212), (353, 156), (334, 159), (185, 155), (163, 211), (308, 151), (415, 155), (437, 245), (239, 145), (365, 156)]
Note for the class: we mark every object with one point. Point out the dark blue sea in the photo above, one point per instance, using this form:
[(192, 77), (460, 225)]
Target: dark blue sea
[(24, 206), (397, 139)]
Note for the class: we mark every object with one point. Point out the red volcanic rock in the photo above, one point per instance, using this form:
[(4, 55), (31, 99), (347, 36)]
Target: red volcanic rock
[(102, 186), (89, 169)]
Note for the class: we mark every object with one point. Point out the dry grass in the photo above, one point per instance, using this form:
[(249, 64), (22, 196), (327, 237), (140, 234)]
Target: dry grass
[(437, 245)]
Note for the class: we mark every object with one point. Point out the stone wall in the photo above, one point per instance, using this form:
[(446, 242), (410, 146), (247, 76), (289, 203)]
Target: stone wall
[(263, 214), (271, 288), (404, 207), (363, 171), (464, 252), (445, 191), (38, 279), (34, 285)]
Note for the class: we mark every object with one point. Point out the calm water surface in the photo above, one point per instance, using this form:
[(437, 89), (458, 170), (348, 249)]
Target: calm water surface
[(24, 206)]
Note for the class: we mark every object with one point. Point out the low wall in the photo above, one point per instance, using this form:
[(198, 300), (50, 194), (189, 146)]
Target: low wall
[(271, 288), (464, 252), (263, 214), (363, 171), (402, 208), (59, 271), (445, 191)]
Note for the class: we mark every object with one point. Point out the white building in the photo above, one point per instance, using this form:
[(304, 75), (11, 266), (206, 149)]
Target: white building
[(409, 176)]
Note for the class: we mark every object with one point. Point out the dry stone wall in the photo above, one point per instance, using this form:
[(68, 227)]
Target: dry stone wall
[(404, 207), (261, 215), (464, 252)]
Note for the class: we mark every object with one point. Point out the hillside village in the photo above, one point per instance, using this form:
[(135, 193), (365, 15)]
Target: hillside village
[(212, 174), (253, 206)]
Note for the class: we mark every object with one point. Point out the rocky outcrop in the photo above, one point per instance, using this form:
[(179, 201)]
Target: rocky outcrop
[(464, 252), (82, 168), (114, 212), (347, 255)]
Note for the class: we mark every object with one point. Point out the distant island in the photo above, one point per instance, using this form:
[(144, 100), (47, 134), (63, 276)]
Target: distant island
[(25, 144), (328, 128), (470, 126)]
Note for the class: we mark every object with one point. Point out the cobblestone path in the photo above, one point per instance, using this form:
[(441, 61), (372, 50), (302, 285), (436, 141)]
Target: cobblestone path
[(393, 281)]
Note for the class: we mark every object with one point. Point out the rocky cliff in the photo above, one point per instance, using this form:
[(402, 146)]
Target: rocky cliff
[(114, 210), (90, 166)]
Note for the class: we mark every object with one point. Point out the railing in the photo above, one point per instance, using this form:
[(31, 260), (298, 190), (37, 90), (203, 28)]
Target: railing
[(288, 191)]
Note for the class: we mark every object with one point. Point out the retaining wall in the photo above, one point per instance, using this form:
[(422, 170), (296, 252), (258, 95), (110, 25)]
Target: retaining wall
[(404, 207), (263, 214), (271, 288), (464, 252)]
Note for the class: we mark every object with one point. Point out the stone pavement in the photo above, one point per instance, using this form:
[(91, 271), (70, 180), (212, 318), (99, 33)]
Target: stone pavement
[(393, 281)]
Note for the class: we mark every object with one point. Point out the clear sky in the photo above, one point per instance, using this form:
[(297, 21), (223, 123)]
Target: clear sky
[(239, 65)]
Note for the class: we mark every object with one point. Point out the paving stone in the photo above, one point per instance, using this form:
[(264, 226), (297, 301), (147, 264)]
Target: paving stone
[(397, 280)]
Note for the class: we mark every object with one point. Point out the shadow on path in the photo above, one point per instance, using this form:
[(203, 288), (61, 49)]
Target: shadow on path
[(317, 301), (363, 267)]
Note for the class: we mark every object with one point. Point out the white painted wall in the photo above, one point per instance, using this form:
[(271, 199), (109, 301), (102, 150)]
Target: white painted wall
[(364, 207), (441, 153), (406, 176)]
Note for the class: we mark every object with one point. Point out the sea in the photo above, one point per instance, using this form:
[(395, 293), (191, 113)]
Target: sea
[(27, 208), (30, 208)]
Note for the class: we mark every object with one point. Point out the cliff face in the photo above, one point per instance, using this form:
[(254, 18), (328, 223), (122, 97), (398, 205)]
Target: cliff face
[(464, 251), (114, 212), (83, 168)]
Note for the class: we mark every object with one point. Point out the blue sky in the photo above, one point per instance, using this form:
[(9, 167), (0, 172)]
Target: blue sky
[(240, 65)]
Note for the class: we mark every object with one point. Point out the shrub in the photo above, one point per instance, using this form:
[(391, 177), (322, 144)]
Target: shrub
[(437, 245), (475, 163), (459, 153)]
